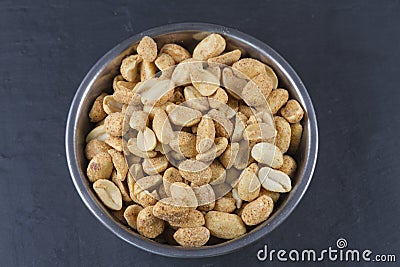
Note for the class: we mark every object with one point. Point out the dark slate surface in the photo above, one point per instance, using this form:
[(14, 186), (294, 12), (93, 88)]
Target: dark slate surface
[(347, 53)]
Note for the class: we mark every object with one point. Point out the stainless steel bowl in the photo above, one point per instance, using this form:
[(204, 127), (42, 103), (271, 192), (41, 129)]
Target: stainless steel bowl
[(99, 79)]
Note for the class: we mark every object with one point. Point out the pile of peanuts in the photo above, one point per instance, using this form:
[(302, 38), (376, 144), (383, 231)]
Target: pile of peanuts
[(192, 147)]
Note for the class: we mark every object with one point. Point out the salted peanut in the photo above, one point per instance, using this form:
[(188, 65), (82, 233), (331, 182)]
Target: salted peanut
[(97, 112), (233, 82), (98, 133), (211, 46), (164, 62), (236, 197), (243, 155), (249, 185), (147, 49), (272, 75), (113, 124), (225, 204), (121, 186), (114, 142), (146, 199), (184, 143), (177, 52), (204, 81), (295, 137), (123, 96), (119, 162), (195, 171), (258, 210), (168, 209), (240, 125), (289, 166), (108, 193), (134, 174), (139, 120), (249, 67), (276, 99), (155, 165), (192, 237), (218, 99), (162, 127), (110, 105), (147, 70), (100, 167), (194, 99), (146, 140), (129, 67), (274, 180), (194, 219), (220, 144), (292, 112), (155, 91), (205, 197), (95, 147), (170, 176), (183, 116), (283, 134), (223, 125), (149, 225), (182, 71), (269, 154), (133, 148), (185, 193), (147, 183), (259, 132), (227, 58), (205, 135), (224, 225), (131, 213), (229, 156), (218, 173), (274, 195), (257, 90)]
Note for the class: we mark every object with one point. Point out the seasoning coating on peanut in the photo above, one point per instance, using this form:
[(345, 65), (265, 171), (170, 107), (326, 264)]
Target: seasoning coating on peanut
[(147, 49), (292, 112), (224, 225), (97, 112), (258, 210), (100, 167), (192, 237), (149, 225)]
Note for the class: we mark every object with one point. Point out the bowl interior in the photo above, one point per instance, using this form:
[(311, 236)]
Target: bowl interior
[(99, 79)]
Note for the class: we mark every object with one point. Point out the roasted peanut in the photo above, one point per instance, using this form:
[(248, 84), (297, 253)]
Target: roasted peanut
[(274, 180), (267, 153), (226, 59), (149, 225), (95, 147), (249, 185), (129, 67), (131, 214), (147, 49), (108, 193), (192, 237), (211, 46), (100, 167), (295, 138), (119, 162), (289, 166), (97, 112), (276, 99), (177, 52), (283, 134), (249, 67), (155, 165), (195, 171), (258, 210), (205, 135), (113, 124), (224, 225), (292, 111)]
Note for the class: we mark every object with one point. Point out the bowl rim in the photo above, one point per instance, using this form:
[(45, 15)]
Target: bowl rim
[(168, 250)]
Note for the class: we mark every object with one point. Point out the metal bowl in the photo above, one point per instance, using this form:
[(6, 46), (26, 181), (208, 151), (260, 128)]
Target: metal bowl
[(99, 79)]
